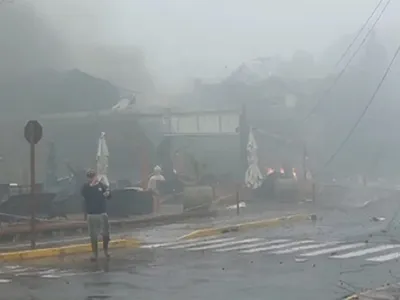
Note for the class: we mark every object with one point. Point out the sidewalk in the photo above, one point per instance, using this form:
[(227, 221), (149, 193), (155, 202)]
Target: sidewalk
[(156, 233), (180, 226), (253, 215), (257, 211), (76, 229), (79, 244)]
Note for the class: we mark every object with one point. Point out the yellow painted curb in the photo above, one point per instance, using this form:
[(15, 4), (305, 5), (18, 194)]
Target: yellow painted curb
[(244, 226), (62, 251)]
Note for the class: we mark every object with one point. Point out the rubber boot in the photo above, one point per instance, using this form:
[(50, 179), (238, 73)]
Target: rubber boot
[(106, 241), (95, 249)]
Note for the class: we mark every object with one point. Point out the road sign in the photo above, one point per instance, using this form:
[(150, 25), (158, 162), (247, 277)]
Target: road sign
[(33, 132)]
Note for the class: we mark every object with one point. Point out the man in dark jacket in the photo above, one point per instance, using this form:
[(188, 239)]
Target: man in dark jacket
[(95, 194)]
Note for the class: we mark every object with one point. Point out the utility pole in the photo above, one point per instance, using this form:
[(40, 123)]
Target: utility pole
[(304, 163), (243, 139)]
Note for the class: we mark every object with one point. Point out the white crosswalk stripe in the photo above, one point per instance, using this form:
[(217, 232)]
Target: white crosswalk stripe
[(334, 249), (263, 249), (300, 248), (200, 243), (160, 245), (10, 271), (366, 251), (244, 247), (386, 257), (215, 246)]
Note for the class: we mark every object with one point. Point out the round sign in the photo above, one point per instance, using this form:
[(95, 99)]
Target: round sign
[(33, 131)]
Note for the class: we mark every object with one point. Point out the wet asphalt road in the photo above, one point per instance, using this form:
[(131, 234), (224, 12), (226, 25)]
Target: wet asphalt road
[(286, 263)]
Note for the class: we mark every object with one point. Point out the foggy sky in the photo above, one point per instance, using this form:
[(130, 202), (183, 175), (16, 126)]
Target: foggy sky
[(185, 39)]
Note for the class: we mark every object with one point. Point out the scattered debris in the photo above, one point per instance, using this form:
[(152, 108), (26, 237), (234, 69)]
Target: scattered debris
[(241, 205), (378, 219), (125, 103), (366, 203)]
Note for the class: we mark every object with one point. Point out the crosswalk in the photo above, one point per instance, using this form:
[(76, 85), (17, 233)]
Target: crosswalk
[(9, 272), (306, 248)]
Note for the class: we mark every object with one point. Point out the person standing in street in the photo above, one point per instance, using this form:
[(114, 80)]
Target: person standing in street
[(152, 186), (96, 194)]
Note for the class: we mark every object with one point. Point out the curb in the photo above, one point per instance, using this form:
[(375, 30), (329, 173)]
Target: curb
[(65, 250), (49, 228), (246, 226)]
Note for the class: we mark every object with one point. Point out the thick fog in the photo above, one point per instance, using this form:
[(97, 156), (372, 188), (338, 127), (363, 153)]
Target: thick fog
[(28, 43), (215, 54), (183, 40)]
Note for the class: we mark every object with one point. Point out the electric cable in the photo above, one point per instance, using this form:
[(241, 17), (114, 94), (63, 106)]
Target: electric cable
[(359, 33), (326, 93), (353, 128)]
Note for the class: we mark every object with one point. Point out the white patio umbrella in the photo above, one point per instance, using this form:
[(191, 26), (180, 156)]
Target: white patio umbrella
[(254, 177), (102, 159)]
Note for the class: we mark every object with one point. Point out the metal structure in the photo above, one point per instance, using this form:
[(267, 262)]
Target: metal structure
[(201, 123), (197, 132), (51, 168), (221, 133), (157, 124)]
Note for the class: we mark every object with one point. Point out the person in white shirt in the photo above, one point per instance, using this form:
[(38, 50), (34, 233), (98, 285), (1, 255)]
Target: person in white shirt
[(152, 186)]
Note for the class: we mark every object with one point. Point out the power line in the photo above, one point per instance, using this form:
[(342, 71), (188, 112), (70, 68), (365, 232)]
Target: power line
[(364, 110), (359, 33), (319, 102)]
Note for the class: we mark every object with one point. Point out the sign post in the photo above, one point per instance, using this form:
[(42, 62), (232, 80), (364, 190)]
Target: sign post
[(243, 131), (33, 132)]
